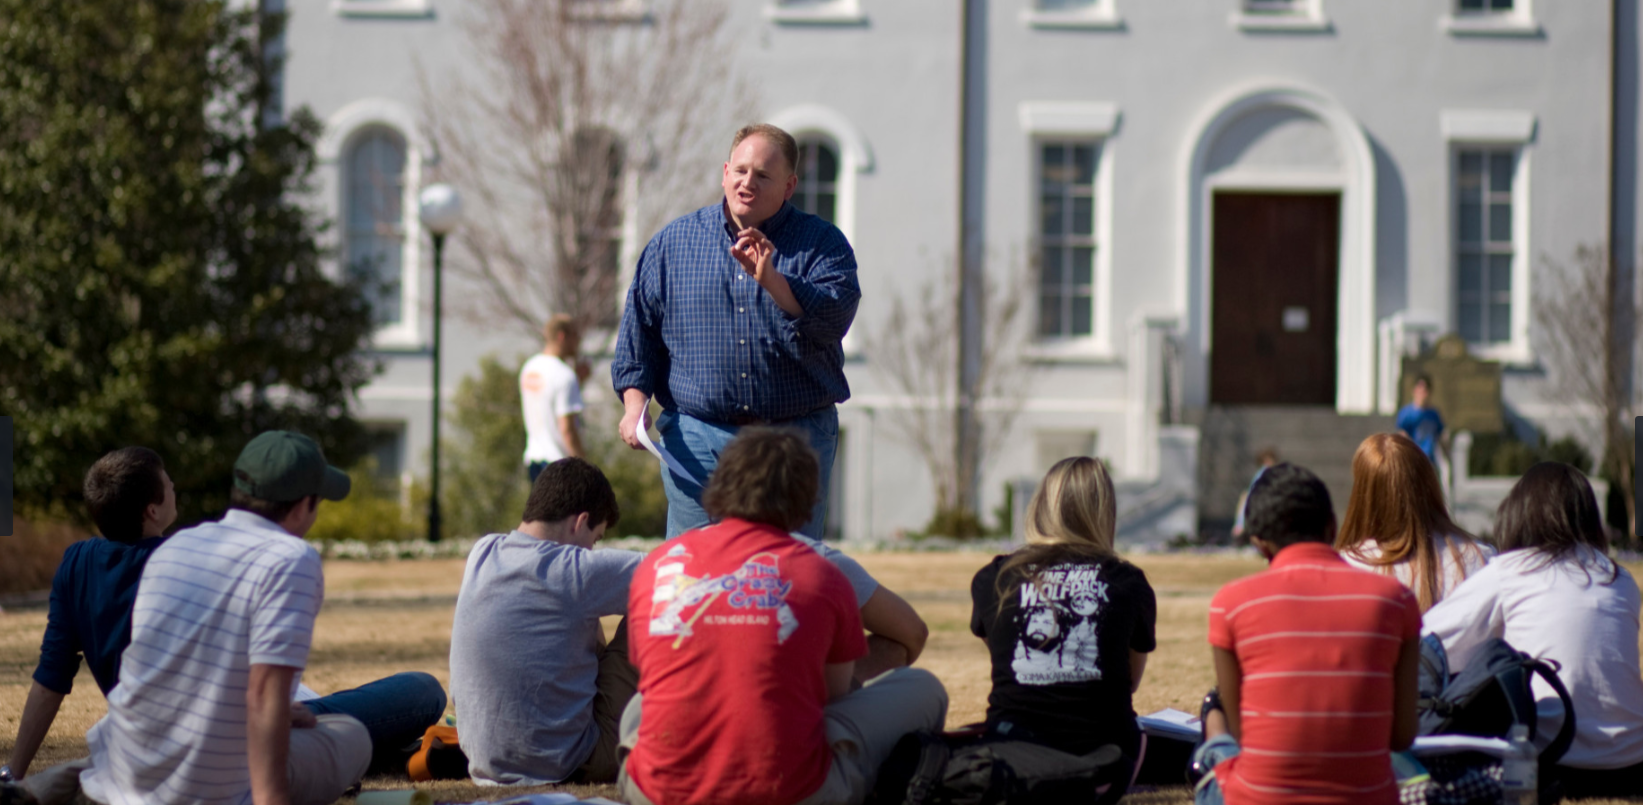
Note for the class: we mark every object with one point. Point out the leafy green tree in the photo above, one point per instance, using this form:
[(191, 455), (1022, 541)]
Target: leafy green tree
[(162, 279), (484, 481)]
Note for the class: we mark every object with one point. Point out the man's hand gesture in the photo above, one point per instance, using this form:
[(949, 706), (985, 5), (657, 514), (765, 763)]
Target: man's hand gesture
[(756, 254), (758, 258)]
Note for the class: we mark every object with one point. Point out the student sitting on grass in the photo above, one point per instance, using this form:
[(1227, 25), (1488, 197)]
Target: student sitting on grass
[(539, 693), (1398, 524), (132, 501), (1315, 663), (1068, 623), (220, 634), (1554, 594), (746, 641)]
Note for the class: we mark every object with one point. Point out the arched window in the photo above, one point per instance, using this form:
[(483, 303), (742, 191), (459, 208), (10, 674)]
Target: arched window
[(375, 219), (818, 192)]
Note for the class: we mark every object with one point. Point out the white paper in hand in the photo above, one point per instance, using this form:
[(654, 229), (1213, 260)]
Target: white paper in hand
[(667, 459)]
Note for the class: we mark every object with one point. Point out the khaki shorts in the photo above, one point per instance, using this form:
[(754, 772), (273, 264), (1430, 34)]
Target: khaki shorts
[(323, 762)]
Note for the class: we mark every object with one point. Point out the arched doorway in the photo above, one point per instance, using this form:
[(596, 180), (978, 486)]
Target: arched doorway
[(1279, 261)]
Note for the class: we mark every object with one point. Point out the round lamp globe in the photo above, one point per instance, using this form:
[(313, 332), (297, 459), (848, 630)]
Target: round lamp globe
[(440, 208)]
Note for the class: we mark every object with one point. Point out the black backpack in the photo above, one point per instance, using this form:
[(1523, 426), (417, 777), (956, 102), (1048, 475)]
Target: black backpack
[(1489, 695), (934, 769)]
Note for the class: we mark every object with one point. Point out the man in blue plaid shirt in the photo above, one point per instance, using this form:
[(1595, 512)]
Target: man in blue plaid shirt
[(736, 317)]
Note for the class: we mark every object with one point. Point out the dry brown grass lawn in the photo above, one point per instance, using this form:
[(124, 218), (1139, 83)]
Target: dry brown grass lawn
[(383, 617)]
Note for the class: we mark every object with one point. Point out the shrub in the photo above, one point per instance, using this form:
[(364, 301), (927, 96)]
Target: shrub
[(1503, 454), (634, 474), (369, 514), (31, 554)]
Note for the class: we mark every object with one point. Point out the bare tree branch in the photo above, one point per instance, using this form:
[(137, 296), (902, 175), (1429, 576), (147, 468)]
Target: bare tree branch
[(915, 352), (1578, 312), (577, 118)]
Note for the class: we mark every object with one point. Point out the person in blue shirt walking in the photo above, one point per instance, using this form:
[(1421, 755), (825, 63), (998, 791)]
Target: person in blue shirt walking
[(133, 502), (736, 317), (1419, 420)]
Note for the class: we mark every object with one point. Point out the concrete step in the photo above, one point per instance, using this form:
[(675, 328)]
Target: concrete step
[(1315, 437)]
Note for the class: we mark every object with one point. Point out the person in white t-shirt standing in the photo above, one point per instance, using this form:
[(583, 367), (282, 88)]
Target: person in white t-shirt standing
[(550, 389)]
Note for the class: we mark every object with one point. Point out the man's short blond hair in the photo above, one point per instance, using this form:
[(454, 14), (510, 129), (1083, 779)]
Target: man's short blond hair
[(559, 324), (783, 141)]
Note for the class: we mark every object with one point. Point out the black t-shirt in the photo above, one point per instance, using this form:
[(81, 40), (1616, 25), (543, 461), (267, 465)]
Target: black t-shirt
[(1061, 649)]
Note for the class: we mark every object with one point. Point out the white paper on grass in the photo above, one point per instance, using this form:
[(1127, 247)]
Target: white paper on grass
[(661, 455), (1170, 723), (1173, 723), (1429, 745)]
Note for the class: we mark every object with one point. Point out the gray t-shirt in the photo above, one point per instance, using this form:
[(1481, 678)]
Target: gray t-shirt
[(525, 654), (862, 581)]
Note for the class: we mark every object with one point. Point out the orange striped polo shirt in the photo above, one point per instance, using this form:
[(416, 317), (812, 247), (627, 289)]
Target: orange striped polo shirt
[(1318, 644)]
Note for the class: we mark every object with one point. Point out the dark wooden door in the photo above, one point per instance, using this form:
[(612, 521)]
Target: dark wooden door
[(1275, 274)]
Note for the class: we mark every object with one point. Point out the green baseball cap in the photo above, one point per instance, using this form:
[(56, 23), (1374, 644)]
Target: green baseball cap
[(282, 466)]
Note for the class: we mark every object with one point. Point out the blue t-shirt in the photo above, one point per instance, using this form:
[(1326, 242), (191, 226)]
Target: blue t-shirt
[(1422, 425), (91, 599)]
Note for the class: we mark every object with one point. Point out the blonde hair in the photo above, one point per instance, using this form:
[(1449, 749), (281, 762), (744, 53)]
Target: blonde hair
[(1073, 516), (778, 137), (559, 323), (1074, 506)]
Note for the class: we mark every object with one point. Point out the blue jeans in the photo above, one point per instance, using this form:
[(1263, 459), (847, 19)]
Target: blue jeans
[(396, 710), (534, 469), (1208, 755), (697, 444)]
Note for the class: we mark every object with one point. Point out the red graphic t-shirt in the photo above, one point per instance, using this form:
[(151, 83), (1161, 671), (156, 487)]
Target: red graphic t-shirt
[(730, 627)]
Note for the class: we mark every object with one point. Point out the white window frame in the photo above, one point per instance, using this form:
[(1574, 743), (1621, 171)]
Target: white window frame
[(1520, 21), (855, 158), (826, 141), (1044, 122), (340, 129), (390, 9), (1278, 16), (830, 12), (1466, 130), (1098, 15)]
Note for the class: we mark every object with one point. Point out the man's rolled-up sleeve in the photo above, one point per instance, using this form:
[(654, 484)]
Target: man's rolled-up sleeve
[(639, 352), (828, 293), (60, 648)]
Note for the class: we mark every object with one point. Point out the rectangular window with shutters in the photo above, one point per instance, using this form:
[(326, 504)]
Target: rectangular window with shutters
[(1486, 250), (1067, 238)]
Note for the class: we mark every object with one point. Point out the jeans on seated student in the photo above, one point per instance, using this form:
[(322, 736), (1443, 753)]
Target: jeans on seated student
[(395, 710), (1554, 594), (1068, 623), (1315, 663), (746, 640), (538, 691)]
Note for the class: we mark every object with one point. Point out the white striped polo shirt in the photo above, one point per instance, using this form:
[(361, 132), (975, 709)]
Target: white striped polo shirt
[(214, 600)]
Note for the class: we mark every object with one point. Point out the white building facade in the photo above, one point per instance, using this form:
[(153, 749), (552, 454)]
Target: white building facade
[(1209, 204)]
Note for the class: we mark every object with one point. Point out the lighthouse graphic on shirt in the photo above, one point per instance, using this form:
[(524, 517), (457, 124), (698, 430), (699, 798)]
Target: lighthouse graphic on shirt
[(755, 595), (1056, 626)]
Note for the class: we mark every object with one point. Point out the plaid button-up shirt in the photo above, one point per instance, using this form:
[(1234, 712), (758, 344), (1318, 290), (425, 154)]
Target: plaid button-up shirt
[(700, 336)]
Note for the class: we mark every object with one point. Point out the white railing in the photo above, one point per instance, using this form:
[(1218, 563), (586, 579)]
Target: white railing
[(1402, 334)]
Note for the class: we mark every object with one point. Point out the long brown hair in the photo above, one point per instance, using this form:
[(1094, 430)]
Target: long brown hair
[(1397, 501), (1073, 515)]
